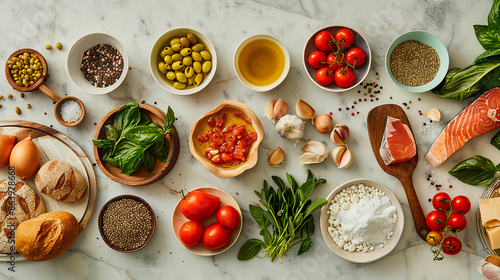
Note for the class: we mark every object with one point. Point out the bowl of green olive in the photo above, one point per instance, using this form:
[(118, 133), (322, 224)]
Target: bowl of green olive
[(183, 61)]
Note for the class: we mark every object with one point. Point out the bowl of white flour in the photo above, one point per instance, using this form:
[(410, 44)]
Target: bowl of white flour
[(363, 221)]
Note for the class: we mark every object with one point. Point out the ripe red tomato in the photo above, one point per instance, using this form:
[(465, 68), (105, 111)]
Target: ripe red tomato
[(323, 41), (215, 236), (460, 204), (316, 59), (334, 61), (436, 220), (355, 56), (457, 221), (451, 245), (441, 201), (324, 76), (190, 233), (228, 217), (344, 37), (344, 77), (198, 205)]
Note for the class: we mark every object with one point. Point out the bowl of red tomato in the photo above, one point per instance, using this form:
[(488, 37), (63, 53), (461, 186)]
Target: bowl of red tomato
[(207, 221), (337, 58)]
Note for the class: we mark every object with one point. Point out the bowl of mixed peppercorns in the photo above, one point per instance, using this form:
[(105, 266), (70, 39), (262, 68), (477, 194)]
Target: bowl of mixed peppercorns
[(97, 63)]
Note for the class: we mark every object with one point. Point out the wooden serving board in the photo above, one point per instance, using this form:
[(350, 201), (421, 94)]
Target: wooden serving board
[(55, 145)]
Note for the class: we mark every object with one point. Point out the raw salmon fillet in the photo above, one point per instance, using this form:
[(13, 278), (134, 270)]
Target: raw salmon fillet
[(481, 116), (398, 144)]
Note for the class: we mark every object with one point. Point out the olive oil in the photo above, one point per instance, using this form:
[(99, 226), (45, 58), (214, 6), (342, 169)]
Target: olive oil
[(261, 62)]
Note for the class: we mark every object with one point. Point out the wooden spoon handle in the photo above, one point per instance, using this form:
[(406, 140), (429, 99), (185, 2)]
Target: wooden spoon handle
[(50, 93), (416, 209)]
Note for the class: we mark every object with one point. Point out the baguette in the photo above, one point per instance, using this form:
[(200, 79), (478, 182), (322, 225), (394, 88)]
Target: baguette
[(61, 181)]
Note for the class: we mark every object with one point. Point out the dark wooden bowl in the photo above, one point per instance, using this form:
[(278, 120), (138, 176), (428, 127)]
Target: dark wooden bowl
[(141, 176), (38, 83), (138, 199)]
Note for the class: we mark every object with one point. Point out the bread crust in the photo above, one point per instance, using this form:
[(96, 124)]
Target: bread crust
[(61, 181)]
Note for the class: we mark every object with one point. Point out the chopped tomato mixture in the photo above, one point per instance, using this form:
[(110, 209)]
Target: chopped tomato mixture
[(229, 144)]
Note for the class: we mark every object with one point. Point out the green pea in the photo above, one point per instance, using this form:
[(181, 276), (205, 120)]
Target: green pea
[(206, 55), (187, 61), (207, 65), (198, 79), (179, 85), (177, 57), (196, 56), (192, 38), (185, 42), (198, 47), (189, 72), (185, 51), (168, 59), (197, 67), (177, 47), (177, 65), (161, 67), (175, 41), (171, 75), (180, 77)]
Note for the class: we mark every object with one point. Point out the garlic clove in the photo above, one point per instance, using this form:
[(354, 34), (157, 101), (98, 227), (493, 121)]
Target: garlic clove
[(315, 147), (309, 158), (269, 110), (340, 134), (433, 114), (280, 109), (277, 157), (324, 123), (490, 267), (342, 157), (304, 110), (337, 154)]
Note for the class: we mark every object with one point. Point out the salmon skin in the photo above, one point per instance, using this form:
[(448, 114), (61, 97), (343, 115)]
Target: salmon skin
[(481, 116), (398, 144)]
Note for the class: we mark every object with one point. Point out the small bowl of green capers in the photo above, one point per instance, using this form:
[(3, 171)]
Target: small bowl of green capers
[(183, 61)]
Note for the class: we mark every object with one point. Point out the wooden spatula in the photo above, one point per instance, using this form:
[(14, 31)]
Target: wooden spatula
[(403, 171)]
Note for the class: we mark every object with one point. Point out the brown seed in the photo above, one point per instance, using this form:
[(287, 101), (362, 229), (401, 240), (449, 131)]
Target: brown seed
[(18, 111), (28, 106), (9, 95), (1, 97), (22, 94)]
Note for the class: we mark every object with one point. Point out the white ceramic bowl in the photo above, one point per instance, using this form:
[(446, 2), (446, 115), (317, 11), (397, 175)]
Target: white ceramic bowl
[(238, 71), (162, 41), (362, 257), (75, 56)]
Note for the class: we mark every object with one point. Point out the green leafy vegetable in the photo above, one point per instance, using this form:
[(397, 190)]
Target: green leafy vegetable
[(495, 141), (476, 171), (488, 36), (285, 217)]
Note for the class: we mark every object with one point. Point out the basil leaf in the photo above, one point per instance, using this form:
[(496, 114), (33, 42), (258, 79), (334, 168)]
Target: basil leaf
[(315, 205), (495, 141), (116, 161), (487, 54), (106, 152), (305, 245), (103, 143), (132, 160), (308, 187), (121, 114), (142, 135), (123, 147), (169, 119), (111, 132), (259, 216), (157, 126), (159, 151), (309, 226), (249, 249), (149, 161), (144, 120), (476, 171), (494, 15), (488, 36)]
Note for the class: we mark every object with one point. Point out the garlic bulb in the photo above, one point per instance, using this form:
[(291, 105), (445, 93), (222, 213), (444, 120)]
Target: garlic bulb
[(489, 267), (290, 127), (314, 152), (304, 110)]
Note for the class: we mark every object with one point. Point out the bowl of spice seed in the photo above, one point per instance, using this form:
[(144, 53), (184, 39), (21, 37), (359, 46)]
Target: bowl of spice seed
[(417, 61), (127, 223), (97, 63)]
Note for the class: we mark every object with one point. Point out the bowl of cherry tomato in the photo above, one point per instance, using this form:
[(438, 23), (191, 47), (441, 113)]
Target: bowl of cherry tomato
[(207, 221), (337, 58)]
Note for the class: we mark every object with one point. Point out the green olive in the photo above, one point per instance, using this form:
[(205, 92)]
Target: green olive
[(206, 55), (171, 75), (59, 46), (168, 59), (191, 80), (197, 67), (192, 38), (179, 85), (185, 51), (185, 42), (198, 47), (35, 67), (187, 61), (15, 59), (177, 47), (175, 41), (198, 79), (19, 83), (161, 67), (207, 65), (189, 72), (180, 77), (177, 57), (196, 56), (177, 65), (168, 67)]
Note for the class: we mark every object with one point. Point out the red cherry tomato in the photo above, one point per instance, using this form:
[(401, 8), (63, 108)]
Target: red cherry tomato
[(436, 220), (198, 205), (228, 217), (215, 236), (334, 61), (460, 204), (344, 77), (451, 245), (323, 41), (457, 221), (324, 76), (190, 233), (441, 201), (344, 37), (316, 59), (355, 56)]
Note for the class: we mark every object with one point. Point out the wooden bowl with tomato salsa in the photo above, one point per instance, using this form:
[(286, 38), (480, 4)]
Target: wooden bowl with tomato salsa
[(226, 140)]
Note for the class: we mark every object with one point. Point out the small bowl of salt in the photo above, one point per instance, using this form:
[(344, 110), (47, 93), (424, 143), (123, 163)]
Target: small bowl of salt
[(69, 111), (362, 221)]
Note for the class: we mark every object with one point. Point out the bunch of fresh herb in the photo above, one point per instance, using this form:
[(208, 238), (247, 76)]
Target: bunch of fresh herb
[(288, 211), (134, 140)]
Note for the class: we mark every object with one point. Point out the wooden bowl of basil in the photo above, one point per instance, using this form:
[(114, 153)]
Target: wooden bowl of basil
[(133, 145)]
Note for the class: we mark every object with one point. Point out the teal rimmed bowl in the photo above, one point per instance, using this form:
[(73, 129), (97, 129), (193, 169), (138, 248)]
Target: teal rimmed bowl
[(436, 44)]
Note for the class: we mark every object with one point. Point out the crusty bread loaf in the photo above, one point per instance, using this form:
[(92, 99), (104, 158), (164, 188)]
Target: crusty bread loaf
[(47, 236), (27, 205), (61, 181)]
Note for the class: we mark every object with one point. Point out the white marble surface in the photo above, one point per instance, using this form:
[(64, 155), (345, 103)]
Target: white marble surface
[(137, 24)]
